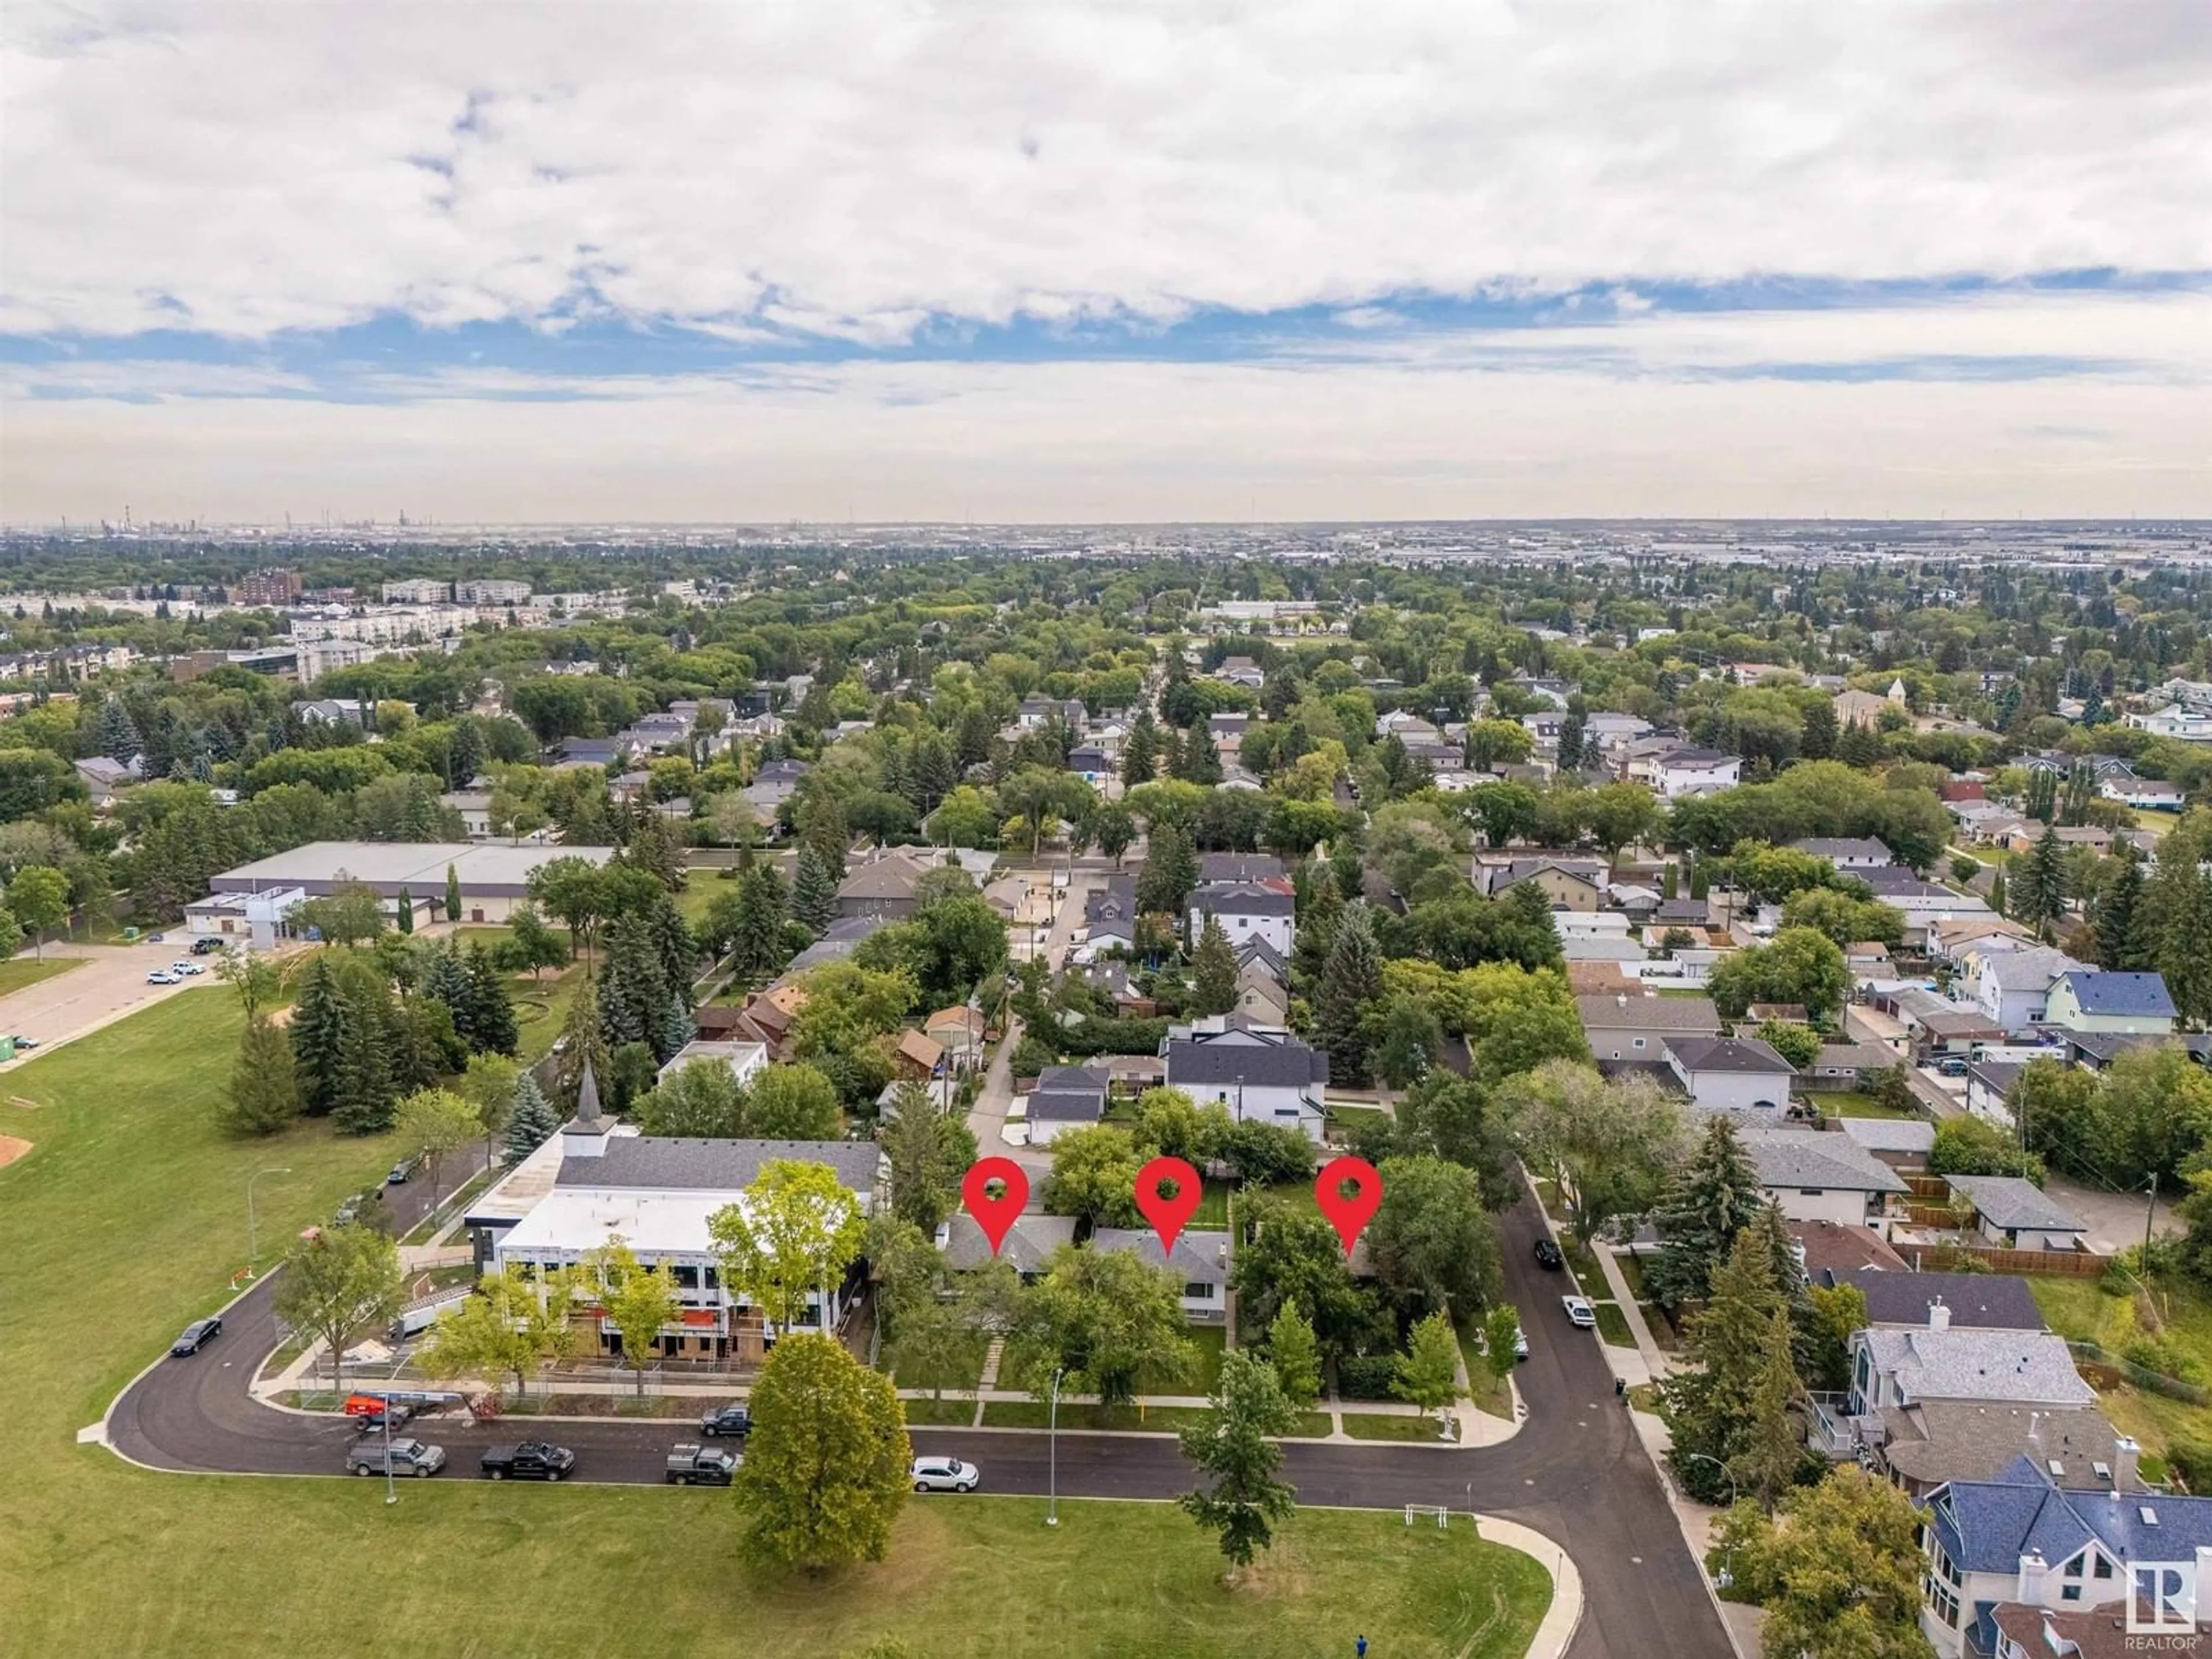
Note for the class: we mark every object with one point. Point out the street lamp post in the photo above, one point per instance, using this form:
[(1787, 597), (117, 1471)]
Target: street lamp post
[(1052, 1485), (252, 1237), (1727, 1574)]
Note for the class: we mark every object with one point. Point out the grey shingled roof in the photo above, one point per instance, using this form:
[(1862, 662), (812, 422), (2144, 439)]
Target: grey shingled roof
[(1832, 848), (681, 1164), (1993, 1302), (1198, 1256), (1287, 1064), (1692, 1015), (1239, 898), (1028, 1246), (1700, 1053), (2142, 995), (2013, 1201), (1971, 1364), (1808, 1158)]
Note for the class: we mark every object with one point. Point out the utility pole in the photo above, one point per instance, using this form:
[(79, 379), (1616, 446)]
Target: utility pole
[(1052, 1485), (2150, 1211)]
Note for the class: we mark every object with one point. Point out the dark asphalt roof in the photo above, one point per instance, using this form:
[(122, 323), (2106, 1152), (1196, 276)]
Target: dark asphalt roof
[(1289, 1064), (681, 1164), (1986, 1301)]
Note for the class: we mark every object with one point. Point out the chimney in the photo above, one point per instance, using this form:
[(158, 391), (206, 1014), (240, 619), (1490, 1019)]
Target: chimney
[(1939, 1317), (2029, 1587), (2125, 1475), (1620, 999)]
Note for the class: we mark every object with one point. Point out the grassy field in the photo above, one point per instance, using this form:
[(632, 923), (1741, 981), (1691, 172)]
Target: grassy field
[(1849, 1103), (963, 1373), (103, 1559), (17, 972), (2080, 1311)]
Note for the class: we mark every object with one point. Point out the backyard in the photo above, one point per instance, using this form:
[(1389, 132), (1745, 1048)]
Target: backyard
[(108, 1558), (2079, 1310)]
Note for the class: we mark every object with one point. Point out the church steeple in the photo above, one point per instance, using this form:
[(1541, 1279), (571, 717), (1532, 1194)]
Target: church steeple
[(585, 1135)]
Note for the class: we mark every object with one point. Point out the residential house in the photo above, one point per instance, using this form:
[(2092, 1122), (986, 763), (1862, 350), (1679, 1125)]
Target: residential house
[(1689, 770), (1840, 1066), (1242, 670), (1246, 910), (1931, 1361), (1065, 1097), (1846, 854), (884, 888), (2020, 1545), (1575, 884), (2155, 795), (1816, 1176), (2128, 1005), (1263, 983), (1092, 763), (1924, 903), (104, 778), (1269, 1077), (1977, 1302), (1200, 1259), (1008, 896), (1824, 1247), (474, 807), (765, 1017), (1027, 1246), (1624, 1027), (2095, 1050), (960, 1033), (1036, 712), (916, 1056), (2012, 987), (1927, 1445), (1227, 731), (2012, 1213), (745, 1060), (1728, 1074), (1241, 867), (1110, 917), (2173, 721), (1989, 1090)]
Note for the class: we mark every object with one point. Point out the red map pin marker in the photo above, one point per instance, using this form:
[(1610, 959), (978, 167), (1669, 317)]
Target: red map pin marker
[(1168, 1215), (995, 1216), (1349, 1216)]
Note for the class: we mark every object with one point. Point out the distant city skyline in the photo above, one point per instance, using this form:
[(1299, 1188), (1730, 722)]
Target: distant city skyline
[(1101, 264)]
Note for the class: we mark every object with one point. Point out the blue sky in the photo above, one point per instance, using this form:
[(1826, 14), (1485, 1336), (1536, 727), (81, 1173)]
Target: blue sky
[(1105, 260)]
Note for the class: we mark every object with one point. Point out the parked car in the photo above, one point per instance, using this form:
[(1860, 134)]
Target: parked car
[(533, 1460), (1580, 1313), (693, 1465), (24, 1043), (1520, 1343), (1549, 1255), (163, 976), (728, 1420), (944, 1474), (196, 1336), (406, 1457), (203, 947), (185, 969), (404, 1171)]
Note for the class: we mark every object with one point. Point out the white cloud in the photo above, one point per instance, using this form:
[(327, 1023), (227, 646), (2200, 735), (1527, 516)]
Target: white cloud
[(854, 171)]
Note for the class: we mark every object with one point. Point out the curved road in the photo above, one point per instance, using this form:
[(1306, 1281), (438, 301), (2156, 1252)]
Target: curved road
[(1575, 1473)]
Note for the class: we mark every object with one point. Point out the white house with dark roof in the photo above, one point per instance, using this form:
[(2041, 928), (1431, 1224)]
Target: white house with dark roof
[(1814, 1176), (1689, 770), (1246, 910), (1729, 1075), (2013, 985), (1262, 1076), (1027, 1247), (1065, 1097), (1201, 1259), (1847, 852)]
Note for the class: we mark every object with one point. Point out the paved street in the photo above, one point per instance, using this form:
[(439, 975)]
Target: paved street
[(1575, 1473)]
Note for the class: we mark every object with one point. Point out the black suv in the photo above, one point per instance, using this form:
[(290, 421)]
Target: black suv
[(1547, 1254), (533, 1460), (728, 1420)]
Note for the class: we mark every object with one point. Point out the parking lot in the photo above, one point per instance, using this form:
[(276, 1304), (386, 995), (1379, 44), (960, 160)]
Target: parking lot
[(111, 983)]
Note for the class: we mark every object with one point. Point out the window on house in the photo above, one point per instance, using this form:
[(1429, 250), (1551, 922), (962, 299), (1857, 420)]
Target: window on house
[(2073, 1568), (2103, 1569), (1809, 1192), (1637, 1042), (1197, 1291), (2070, 1593), (1943, 1602)]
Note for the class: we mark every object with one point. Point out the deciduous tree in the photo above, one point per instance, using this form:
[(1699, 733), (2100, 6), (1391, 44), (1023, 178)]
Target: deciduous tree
[(1236, 1444), (509, 1328), (1428, 1375), (336, 1283), (794, 1235), (827, 1463), (1295, 1354), (638, 1302), (1102, 1316), (437, 1123)]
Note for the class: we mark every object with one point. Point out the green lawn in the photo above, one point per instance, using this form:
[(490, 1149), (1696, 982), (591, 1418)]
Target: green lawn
[(1378, 1425), (1850, 1103), (17, 972), (964, 1373), (2080, 1311), (1491, 1394), (100, 1558), (1209, 1341), (951, 1413), (1612, 1325)]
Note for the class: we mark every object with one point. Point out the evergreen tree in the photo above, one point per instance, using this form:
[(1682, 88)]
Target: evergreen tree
[(822, 826), (1351, 984), (1199, 761), (634, 993), (264, 1096), (362, 1098), (406, 907), (491, 1027), (814, 891), (534, 1121), (445, 979), (453, 894), (2121, 917), (676, 1028), (757, 946), (1999, 901), (2186, 951), (1818, 742), (118, 733), (1140, 755), (581, 1045), (1170, 870), (1570, 744), (2040, 896), (673, 942), (1214, 967), (317, 1033), (1735, 1407), (1715, 1198), (1319, 911)]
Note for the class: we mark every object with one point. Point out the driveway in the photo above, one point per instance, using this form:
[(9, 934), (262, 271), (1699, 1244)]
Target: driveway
[(1576, 1473), (111, 983), (2116, 1219)]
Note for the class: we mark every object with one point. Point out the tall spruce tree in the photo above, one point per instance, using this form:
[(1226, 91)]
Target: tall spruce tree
[(2039, 896), (1319, 911), (1351, 985), (445, 979), (264, 1096), (633, 992), (2121, 918), (118, 733), (2185, 955), (822, 826), (491, 1011), (534, 1121), (362, 1097), (1714, 1199), (1213, 971), (757, 947), (814, 891), (582, 1044), (318, 1033), (1170, 870)]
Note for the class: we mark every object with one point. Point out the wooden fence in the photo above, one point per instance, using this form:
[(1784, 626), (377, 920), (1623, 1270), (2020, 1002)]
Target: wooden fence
[(2057, 1264), (1928, 1186)]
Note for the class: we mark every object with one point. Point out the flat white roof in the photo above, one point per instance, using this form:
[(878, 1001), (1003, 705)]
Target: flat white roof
[(389, 865), (573, 1221)]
